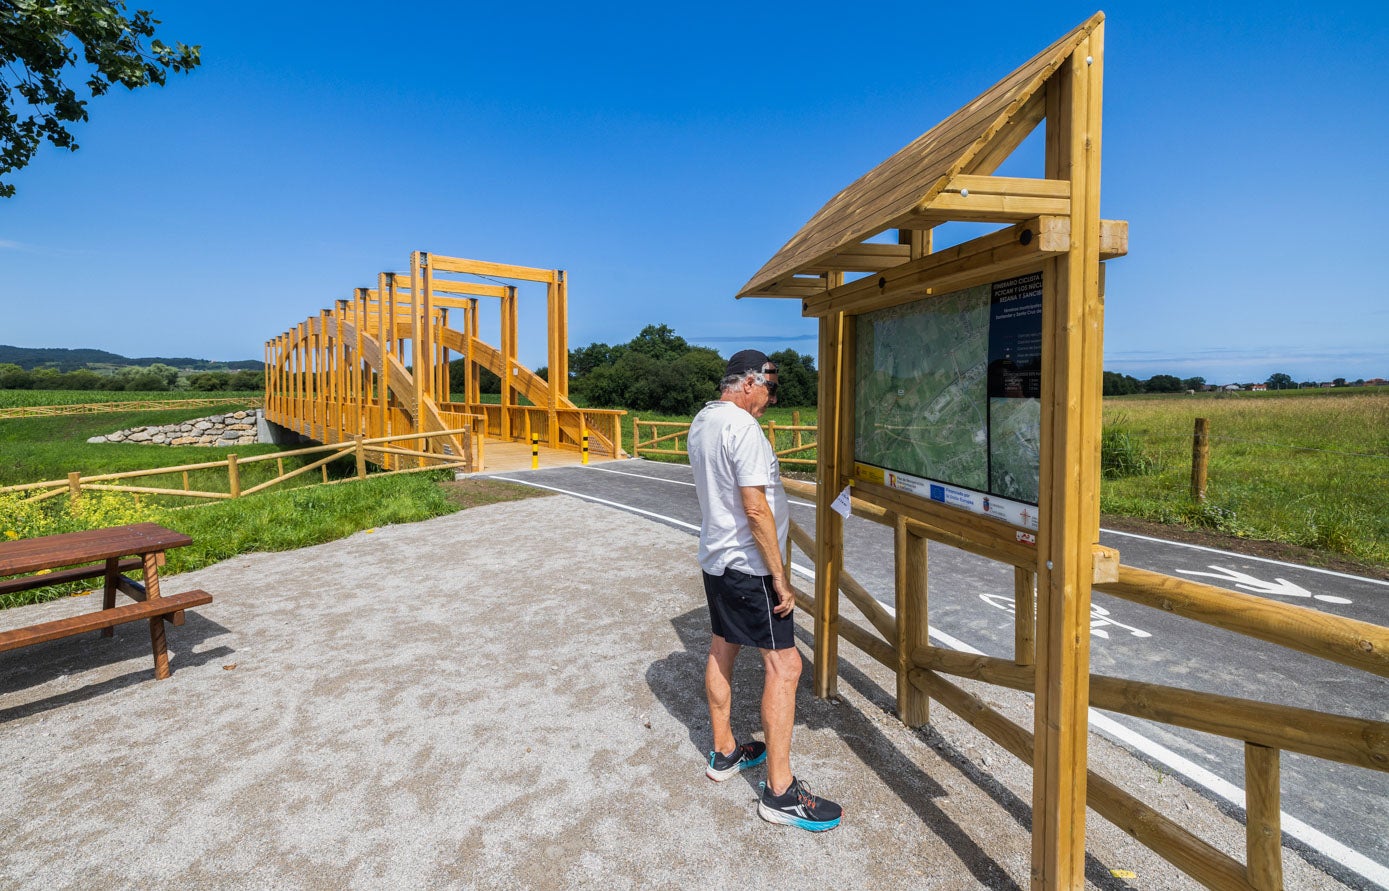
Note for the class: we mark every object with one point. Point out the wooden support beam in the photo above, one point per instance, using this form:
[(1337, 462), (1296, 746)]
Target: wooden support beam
[(495, 270), (913, 706), (829, 526), (996, 255), (1071, 348), (865, 257)]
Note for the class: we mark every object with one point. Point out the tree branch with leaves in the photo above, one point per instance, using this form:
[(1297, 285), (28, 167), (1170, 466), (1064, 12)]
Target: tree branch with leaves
[(40, 42)]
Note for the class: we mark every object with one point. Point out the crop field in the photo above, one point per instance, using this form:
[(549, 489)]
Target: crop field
[(1304, 470), (27, 398)]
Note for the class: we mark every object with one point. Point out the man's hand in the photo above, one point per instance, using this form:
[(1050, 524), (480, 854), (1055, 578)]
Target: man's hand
[(786, 598)]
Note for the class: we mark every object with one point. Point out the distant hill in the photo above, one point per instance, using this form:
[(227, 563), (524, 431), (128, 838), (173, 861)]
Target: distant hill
[(71, 360)]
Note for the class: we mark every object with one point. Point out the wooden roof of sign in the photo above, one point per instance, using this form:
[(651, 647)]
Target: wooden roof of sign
[(919, 187)]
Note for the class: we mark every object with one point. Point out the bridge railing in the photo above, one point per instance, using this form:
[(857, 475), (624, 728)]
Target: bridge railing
[(896, 639), (400, 452), (603, 426), (670, 438)]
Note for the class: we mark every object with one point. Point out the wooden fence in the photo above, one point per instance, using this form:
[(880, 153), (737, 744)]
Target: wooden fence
[(92, 408), (382, 451), (789, 441), (898, 640)]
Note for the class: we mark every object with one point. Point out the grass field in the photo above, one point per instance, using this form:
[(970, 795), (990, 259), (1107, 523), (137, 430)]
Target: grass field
[(26, 398), (1308, 471)]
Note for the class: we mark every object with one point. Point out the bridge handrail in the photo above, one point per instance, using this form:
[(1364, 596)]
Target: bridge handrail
[(75, 482)]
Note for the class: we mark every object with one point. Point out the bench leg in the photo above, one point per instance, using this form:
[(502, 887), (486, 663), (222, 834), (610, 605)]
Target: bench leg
[(108, 600), (161, 653)]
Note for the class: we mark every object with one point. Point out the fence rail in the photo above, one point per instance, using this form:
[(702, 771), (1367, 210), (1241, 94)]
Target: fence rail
[(788, 440), (92, 408), (365, 451), (1265, 729)]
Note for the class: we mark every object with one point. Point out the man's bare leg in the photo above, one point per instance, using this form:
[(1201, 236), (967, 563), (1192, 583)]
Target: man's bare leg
[(783, 672), (718, 687)]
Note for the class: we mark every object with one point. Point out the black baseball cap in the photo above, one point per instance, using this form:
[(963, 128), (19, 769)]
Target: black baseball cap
[(744, 361)]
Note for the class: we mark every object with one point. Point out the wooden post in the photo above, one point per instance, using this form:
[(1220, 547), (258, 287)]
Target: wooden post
[(829, 526), (1024, 616), (913, 706), (636, 436), (75, 485), (108, 594), (1200, 458), (161, 653), (233, 476), (1262, 818), (796, 422), (361, 458), (1071, 344)]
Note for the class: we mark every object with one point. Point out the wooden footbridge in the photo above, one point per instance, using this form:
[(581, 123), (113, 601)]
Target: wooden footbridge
[(379, 365)]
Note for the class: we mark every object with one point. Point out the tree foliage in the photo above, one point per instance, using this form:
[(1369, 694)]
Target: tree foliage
[(39, 43), (658, 370), (1280, 381)]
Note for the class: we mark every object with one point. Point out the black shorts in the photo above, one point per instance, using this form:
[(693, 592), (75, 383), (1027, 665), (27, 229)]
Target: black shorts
[(740, 611)]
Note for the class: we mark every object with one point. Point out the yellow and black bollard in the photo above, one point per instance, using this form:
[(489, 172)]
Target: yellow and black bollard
[(535, 451), (585, 442)]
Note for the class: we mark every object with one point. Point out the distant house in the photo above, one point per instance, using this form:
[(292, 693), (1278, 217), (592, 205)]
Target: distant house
[(1258, 386), (1231, 388), (1377, 382)]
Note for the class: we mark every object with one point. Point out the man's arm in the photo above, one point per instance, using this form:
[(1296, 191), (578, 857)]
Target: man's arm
[(763, 527)]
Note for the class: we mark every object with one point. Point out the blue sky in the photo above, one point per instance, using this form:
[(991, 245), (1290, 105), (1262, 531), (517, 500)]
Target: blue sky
[(661, 153)]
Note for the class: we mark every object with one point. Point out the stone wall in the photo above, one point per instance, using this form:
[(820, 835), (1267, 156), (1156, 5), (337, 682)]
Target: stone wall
[(236, 428)]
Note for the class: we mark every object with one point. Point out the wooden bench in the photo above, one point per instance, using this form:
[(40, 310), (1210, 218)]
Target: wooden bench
[(111, 552)]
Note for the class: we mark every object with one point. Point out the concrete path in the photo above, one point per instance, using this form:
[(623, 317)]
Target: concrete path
[(508, 697)]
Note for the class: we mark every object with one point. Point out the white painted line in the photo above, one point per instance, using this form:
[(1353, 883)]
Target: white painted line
[(1182, 544), (627, 507), (660, 479), (1308, 835), (640, 476)]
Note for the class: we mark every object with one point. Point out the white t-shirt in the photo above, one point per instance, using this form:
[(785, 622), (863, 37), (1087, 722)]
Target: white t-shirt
[(728, 450)]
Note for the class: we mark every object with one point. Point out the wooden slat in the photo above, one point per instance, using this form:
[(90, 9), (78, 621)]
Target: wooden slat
[(28, 583), (128, 612), (1362, 645), (1360, 742), (496, 270), (1263, 818), (50, 551)]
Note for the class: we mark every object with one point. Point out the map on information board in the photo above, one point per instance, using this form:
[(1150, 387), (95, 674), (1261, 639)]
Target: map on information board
[(947, 401)]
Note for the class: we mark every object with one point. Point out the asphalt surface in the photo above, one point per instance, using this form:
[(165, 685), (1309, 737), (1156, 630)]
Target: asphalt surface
[(1338, 815)]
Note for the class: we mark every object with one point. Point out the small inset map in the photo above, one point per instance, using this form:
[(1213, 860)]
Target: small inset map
[(1015, 448), (921, 400)]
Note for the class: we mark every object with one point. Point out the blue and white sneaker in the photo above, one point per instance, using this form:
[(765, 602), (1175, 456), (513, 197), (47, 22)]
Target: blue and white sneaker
[(797, 807), (748, 754)]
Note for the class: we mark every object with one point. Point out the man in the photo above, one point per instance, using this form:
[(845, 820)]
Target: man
[(741, 542)]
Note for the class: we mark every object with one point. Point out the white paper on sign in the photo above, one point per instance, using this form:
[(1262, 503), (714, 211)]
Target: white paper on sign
[(841, 504)]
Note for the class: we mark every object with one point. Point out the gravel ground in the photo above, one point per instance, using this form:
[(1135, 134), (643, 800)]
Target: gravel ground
[(508, 697)]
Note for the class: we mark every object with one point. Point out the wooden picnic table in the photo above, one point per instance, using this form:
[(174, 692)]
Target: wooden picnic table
[(71, 556)]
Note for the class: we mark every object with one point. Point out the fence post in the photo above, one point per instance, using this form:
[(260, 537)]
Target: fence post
[(233, 477), (636, 436), (361, 458), (535, 447), (1200, 458), (74, 485), (1263, 829)]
